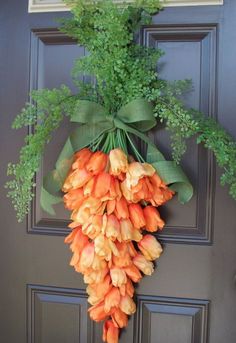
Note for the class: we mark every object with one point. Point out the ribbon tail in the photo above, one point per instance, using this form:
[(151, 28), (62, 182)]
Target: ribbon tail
[(47, 200)]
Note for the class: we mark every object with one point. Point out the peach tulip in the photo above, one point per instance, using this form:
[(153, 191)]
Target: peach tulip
[(97, 291), (143, 264), (87, 256), (118, 277), (136, 171), (112, 229), (93, 226), (150, 247), (95, 276), (78, 178), (118, 162), (112, 299), (133, 273), (126, 230), (127, 305), (72, 234)]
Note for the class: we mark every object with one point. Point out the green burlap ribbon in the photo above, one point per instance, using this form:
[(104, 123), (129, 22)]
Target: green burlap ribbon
[(136, 118)]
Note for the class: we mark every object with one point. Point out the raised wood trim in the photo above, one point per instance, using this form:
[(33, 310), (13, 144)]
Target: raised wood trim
[(35, 6), (38, 295), (207, 35), (147, 306)]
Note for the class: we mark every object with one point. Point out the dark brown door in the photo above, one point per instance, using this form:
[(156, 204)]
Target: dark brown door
[(191, 298)]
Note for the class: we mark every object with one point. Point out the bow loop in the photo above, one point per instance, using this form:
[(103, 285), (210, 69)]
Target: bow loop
[(136, 117)]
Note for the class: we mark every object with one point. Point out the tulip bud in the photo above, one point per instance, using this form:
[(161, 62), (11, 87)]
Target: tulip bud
[(136, 216), (110, 332), (127, 305), (118, 162), (118, 277), (150, 247), (142, 264), (153, 219)]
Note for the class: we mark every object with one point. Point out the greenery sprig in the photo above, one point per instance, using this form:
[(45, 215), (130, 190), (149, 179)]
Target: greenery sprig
[(123, 71)]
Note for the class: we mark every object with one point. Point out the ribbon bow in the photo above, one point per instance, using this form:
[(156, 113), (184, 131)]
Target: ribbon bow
[(136, 117)]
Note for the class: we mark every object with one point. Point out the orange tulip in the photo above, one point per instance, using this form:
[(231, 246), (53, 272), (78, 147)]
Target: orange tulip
[(102, 185), (118, 277), (97, 163), (73, 199), (92, 228), (72, 235), (121, 210), (111, 205), (88, 187), (133, 273), (153, 219), (75, 259), (113, 192), (131, 249), (118, 162), (119, 318), (136, 216), (79, 242), (129, 288), (81, 158), (143, 190), (78, 178), (112, 299), (97, 312), (161, 193), (127, 305), (167, 194), (156, 181), (150, 247), (110, 332), (123, 259), (143, 264)]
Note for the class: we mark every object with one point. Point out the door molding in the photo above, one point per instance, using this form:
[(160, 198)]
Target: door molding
[(36, 6)]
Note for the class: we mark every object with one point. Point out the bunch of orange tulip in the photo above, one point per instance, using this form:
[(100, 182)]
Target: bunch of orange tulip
[(113, 204)]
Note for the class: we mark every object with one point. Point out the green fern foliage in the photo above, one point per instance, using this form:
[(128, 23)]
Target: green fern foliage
[(122, 70)]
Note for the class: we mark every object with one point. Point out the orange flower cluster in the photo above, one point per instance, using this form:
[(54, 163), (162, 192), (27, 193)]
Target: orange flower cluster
[(108, 198)]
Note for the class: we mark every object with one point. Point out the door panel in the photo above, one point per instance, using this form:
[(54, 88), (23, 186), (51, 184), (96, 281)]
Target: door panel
[(191, 296)]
